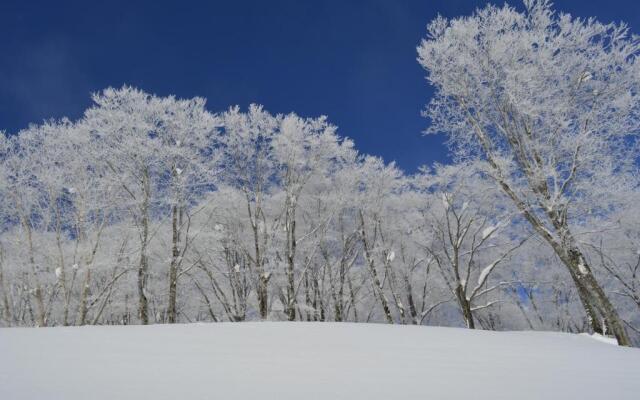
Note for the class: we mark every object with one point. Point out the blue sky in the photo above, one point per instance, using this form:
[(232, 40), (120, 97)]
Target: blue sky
[(351, 60)]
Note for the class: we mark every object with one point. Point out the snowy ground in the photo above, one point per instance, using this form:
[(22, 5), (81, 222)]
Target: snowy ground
[(309, 361)]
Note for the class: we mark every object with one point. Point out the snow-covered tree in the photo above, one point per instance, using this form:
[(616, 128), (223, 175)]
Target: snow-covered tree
[(305, 150), (467, 226), (152, 209), (551, 103), (249, 166)]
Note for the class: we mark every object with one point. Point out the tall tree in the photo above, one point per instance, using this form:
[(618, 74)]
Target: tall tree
[(125, 122), (552, 103), (249, 166), (304, 149), (467, 226), (190, 156)]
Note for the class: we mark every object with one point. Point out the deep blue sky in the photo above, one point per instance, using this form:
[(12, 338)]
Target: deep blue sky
[(351, 60)]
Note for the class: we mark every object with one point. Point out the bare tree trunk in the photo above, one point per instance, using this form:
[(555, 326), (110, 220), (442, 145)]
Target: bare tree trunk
[(143, 267), (83, 308), (377, 285), (40, 308), (318, 303), (336, 296), (307, 297), (347, 257), (62, 275), (263, 278), (611, 322), (339, 301), (263, 294), (602, 315), (465, 307), (173, 267), (391, 277), (352, 294), (413, 312), (290, 225), (5, 297)]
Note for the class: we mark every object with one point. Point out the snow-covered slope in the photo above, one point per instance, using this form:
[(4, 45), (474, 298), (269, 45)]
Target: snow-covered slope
[(309, 361)]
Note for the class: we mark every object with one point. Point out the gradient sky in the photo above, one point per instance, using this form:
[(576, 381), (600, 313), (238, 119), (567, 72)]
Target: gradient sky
[(354, 61)]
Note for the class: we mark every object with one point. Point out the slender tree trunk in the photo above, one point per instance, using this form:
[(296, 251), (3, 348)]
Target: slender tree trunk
[(412, 305), (5, 297), (318, 303), (263, 278), (143, 266), (307, 297), (465, 307), (352, 295), (62, 278), (377, 285), (83, 308), (339, 302), (392, 286), (173, 267), (39, 296), (62, 281), (40, 309), (263, 299), (291, 253)]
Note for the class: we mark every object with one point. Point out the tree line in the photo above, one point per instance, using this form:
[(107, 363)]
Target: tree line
[(152, 209)]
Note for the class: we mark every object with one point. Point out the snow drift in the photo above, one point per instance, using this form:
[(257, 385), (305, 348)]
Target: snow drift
[(309, 361)]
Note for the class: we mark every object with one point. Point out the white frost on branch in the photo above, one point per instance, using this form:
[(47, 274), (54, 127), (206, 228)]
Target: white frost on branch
[(486, 271), (391, 256), (582, 268), (488, 231), (445, 201)]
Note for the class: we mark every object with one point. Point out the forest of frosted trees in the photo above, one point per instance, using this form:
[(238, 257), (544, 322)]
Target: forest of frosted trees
[(153, 209)]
